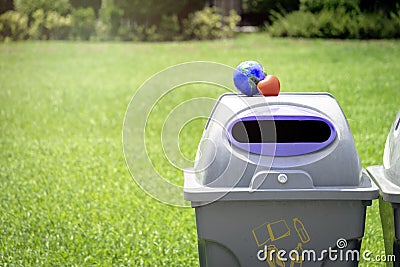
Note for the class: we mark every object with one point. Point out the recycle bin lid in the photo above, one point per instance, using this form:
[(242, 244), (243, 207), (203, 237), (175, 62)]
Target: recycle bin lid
[(390, 192), (388, 175), (202, 194), (391, 156)]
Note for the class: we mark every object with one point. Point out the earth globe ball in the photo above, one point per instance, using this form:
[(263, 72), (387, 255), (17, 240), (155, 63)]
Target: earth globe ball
[(246, 76)]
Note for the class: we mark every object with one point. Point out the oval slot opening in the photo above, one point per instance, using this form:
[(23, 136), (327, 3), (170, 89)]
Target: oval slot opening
[(281, 135), (281, 131)]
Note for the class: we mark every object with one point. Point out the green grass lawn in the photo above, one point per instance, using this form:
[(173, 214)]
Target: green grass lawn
[(66, 196)]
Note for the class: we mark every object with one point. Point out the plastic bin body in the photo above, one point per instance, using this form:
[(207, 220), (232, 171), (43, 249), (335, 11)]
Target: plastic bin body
[(227, 229), (387, 177), (292, 183)]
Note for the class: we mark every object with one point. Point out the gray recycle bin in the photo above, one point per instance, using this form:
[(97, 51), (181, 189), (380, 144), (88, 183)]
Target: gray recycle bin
[(387, 178), (278, 175)]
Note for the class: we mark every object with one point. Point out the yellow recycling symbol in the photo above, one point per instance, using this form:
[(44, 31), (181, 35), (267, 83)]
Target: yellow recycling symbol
[(272, 231)]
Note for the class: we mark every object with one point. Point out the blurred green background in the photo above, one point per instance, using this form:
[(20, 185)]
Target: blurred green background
[(66, 196)]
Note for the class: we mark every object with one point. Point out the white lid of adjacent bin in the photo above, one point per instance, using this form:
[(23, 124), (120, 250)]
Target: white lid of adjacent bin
[(391, 157), (388, 175), (390, 192)]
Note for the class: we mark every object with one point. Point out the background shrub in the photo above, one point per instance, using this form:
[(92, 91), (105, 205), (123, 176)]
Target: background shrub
[(28, 7), (296, 24), (171, 20), (169, 28), (58, 26), (128, 32), (376, 26), (37, 29), (50, 25), (335, 19), (150, 12), (329, 26), (83, 23), (95, 4), (395, 18), (230, 23), (316, 6), (109, 22), (13, 25), (210, 24)]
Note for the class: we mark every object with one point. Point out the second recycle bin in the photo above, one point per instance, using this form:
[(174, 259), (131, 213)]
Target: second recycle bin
[(278, 175), (387, 178)]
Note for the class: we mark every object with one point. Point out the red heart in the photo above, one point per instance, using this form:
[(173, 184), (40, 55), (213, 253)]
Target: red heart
[(270, 86)]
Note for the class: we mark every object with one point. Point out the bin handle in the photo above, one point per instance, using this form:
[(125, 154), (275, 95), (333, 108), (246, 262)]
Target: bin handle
[(281, 179)]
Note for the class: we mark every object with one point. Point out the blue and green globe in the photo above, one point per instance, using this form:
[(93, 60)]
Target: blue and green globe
[(246, 76)]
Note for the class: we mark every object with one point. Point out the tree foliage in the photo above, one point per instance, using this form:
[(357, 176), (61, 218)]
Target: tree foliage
[(210, 24), (13, 25), (336, 19), (151, 11), (28, 7), (83, 23), (315, 6), (171, 20)]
